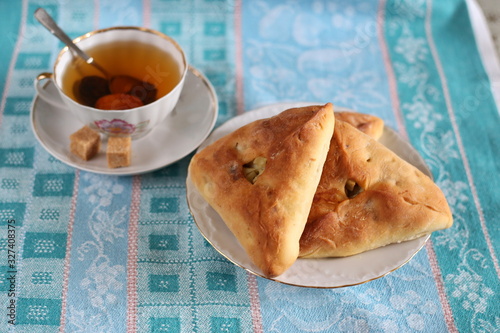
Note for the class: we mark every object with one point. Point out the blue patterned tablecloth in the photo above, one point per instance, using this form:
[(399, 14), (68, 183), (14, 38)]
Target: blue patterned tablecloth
[(96, 253)]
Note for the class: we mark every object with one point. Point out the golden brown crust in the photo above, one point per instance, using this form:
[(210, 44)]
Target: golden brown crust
[(267, 217), (370, 125), (396, 202)]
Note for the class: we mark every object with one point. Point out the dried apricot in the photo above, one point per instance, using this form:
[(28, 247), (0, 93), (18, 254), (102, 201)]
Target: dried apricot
[(118, 102), (122, 84)]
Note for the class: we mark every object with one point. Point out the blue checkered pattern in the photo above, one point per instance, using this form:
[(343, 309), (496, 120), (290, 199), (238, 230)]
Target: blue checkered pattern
[(413, 63)]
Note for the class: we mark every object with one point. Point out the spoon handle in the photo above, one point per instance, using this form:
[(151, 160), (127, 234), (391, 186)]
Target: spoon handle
[(44, 18)]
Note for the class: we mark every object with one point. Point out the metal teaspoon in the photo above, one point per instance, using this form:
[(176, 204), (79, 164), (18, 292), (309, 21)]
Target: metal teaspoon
[(46, 20)]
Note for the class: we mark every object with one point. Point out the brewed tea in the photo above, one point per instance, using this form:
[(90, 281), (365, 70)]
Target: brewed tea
[(152, 67)]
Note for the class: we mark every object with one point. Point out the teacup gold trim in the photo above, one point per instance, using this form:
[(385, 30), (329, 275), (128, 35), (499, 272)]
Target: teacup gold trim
[(44, 75), (95, 32)]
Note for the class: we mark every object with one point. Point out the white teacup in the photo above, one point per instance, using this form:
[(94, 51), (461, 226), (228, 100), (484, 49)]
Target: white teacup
[(135, 122)]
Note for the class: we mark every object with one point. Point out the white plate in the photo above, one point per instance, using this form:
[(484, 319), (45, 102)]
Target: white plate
[(180, 133), (318, 273)]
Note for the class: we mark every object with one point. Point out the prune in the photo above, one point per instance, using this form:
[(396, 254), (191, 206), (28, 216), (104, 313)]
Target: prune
[(143, 90), (92, 88)]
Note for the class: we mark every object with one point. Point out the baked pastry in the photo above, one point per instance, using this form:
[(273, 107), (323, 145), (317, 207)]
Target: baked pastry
[(369, 197), (261, 179), (370, 125)]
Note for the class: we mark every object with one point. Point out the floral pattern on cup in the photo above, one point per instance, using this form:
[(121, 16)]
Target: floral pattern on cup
[(119, 126)]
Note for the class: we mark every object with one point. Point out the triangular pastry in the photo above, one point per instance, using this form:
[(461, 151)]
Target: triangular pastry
[(261, 179), (369, 124), (369, 197)]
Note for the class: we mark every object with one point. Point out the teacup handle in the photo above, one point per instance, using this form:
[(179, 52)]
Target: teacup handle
[(42, 93)]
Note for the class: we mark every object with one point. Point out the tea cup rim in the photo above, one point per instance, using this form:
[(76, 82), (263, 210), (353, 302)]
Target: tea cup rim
[(89, 34)]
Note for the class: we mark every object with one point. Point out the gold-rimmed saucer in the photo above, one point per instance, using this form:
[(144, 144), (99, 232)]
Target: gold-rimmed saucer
[(180, 133)]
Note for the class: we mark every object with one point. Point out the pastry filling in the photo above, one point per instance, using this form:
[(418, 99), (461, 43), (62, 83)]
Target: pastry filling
[(352, 189), (254, 169)]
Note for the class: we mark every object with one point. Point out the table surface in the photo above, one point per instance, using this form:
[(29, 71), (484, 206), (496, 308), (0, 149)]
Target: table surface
[(101, 253), (491, 12)]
